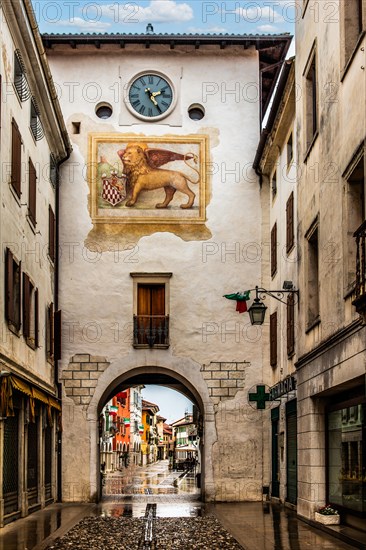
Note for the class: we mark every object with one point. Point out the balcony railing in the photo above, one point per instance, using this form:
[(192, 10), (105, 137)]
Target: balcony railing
[(360, 290), (151, 331)]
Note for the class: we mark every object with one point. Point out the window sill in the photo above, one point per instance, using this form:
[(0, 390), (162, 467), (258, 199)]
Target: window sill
[(155, 346), (309, 149), (312, 325), (32, 224), (350, 290), (31, 343), (15, 194), (352, 56), (14, 329)]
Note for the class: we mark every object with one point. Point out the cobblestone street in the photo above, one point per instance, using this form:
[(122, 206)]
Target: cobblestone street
[(158, 509)]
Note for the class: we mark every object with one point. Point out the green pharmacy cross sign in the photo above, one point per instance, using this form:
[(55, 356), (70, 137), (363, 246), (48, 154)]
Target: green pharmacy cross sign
[(260, 397)]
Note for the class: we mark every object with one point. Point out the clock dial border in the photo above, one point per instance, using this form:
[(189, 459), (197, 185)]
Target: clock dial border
[(157, 117)]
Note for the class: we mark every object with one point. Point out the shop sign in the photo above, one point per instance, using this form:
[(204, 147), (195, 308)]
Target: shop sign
[(285, 386)]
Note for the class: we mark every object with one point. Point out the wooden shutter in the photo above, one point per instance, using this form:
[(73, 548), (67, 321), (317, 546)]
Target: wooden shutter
[(151, 300), (9, 287), (32, 192), (51, 234), (57, 338), (36, 318), (290, 223), (50, 332), (274, 250), (26, 305), (290, 325), (16, 158), (273, 339)]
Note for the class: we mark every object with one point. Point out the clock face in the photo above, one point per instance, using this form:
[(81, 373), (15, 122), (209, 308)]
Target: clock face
[(150, 96)]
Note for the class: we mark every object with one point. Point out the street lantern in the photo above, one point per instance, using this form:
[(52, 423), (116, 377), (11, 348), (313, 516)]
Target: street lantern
[(257, 312)]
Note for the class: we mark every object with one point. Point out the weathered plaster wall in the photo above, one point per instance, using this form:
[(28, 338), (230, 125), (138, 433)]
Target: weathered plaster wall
[(212, 347), (322, 191)]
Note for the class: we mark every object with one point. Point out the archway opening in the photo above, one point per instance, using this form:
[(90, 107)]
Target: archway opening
[(157, 448)]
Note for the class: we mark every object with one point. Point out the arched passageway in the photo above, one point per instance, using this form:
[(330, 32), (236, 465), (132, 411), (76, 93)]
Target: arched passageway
[(116, 484), (81, 423)]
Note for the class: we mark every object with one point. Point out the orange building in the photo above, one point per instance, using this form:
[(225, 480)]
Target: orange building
[(121, 439)]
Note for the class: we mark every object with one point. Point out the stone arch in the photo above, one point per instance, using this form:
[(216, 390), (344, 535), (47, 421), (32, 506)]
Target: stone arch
[(183, 370)]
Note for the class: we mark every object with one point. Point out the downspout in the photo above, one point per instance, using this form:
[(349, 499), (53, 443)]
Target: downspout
[(57, 273)]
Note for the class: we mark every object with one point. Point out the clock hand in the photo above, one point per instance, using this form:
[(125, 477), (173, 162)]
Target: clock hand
[(152, 98), (156, 93)]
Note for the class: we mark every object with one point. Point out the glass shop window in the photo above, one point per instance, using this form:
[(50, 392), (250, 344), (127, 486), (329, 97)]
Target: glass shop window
[(347, 458)]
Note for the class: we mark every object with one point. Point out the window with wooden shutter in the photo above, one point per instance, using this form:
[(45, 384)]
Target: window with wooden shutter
[(273, 339), (313, 302), (290, 238), (151, 323), (26, 305), (290, 150), (12, 291), (16, 158), (57, 335), (51, 234), (50, 333), (274, 250), (290, 325), (30, 312), (311, 98), (32, 190)]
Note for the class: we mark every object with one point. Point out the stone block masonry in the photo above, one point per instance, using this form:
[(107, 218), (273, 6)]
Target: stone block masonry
[(81, 376), (224, 380)]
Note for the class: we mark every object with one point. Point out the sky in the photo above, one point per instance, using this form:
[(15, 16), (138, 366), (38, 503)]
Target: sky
[(172, 404), (167, 16)]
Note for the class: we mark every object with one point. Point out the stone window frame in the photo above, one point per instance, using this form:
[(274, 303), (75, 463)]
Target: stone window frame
[(151, 278), (350, 44), (311, 100), (350, 201), (312, 318)]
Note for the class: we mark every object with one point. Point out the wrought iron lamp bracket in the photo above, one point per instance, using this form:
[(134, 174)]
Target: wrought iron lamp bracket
[(278, 295)]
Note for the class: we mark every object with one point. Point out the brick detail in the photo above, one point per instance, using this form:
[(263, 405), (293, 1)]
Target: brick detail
[(224, 379), (80, 378)]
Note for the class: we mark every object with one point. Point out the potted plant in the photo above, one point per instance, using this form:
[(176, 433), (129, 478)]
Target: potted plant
[(327, 515)]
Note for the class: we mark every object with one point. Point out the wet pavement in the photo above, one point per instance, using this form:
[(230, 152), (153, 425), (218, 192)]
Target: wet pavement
[(255, 526)]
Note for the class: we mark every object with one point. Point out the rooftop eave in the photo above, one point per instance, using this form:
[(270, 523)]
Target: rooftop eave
[(272, 48)]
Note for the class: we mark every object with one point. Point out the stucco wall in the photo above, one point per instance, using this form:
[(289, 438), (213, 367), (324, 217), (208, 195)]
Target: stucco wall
[(96, 287)]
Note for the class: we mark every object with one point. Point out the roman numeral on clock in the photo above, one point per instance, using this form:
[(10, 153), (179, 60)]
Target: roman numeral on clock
[(151, 79), (136, 103), (150, 112), (142, 109), (165, 104), (143, 82)]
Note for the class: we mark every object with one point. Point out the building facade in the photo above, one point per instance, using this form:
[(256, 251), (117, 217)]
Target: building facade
[(33, 144), (275, 162), (331, 355), (154, 254)]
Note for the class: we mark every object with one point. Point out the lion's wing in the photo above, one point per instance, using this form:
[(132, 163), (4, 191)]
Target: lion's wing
[(159, 157)]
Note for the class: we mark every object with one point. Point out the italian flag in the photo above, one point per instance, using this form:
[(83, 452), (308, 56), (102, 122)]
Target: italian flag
[(241, 300), (127, 422)]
